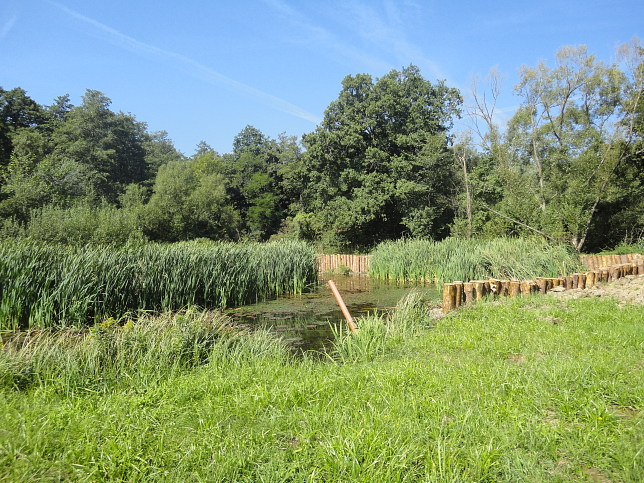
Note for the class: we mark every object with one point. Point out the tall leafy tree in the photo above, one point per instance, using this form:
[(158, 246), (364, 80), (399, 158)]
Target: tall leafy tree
[(378, 166), (159, 150), (189, 200), (256, 169), (110, 145), (17, 110), (569, 148), (570, 136)]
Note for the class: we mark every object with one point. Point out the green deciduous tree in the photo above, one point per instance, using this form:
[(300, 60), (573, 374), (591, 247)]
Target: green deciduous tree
[(110, 144), (378, 166), (189, 200), (159, 150), (17, 110), (256, 169), (570, 146)]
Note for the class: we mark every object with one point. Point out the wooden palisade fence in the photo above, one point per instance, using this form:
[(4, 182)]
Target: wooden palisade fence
[(594, 262), (355, 263), (456, 294), (360, 263)]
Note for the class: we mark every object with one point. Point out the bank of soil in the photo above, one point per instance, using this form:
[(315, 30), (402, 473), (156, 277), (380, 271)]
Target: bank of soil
[(629, 290)]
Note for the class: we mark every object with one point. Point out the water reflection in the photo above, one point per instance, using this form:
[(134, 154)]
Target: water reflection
[(305, 321)]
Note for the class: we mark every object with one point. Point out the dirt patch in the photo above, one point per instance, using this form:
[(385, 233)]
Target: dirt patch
[(551, 419), (517, 358), (628, 290), (624, 411), (597, 476)]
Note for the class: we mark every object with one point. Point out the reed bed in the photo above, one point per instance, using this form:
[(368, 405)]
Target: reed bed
[(457, 259), (54, 285)]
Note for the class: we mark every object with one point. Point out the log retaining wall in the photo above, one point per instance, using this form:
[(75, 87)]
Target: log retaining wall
[(594, 262), (458, 293), (360, 263)]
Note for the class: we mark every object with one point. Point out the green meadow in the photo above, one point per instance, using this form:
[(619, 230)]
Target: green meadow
[(532, 389)]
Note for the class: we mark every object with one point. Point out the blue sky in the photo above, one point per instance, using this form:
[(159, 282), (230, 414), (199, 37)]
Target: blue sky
[(202, 70)]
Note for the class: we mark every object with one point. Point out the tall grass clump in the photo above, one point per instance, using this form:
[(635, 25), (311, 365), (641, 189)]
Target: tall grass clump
[(44, 285), (141, 351), (378, 332), (459, 259)]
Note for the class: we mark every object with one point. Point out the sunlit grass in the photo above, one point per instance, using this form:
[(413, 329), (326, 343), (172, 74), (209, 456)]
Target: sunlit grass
[(532, 389), (459, 259), (111, 355)]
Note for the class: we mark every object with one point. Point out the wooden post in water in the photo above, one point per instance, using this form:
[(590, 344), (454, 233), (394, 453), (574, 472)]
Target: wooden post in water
[(343, 307)]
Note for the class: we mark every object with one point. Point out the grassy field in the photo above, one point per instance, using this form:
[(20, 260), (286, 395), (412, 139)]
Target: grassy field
[(534, 389)]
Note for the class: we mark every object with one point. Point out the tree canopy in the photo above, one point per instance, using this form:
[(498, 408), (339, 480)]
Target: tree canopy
[(378, 166), (571, 156), (384, 163)]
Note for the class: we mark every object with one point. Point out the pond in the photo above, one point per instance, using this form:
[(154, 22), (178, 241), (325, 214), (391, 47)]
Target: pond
[(305, 321)]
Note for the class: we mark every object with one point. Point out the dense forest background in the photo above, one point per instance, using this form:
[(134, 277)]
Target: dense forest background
[(383, 164)]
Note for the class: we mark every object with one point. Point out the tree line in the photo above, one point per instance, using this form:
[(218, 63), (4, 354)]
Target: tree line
[(383, 164)]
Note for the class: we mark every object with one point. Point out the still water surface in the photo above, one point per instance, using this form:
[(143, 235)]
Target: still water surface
[(305, 321)]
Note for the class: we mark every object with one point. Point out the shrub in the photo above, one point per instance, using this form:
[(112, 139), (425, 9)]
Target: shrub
[(82, 224)]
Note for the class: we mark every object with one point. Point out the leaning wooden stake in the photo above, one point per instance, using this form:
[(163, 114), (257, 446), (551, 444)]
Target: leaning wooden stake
[(343, 307)]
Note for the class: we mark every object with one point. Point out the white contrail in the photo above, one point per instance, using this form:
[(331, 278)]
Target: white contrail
[(206, 72), (6, 28)]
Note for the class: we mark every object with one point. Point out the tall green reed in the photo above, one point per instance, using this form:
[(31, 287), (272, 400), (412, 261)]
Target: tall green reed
[(458, 259), (45, 285)]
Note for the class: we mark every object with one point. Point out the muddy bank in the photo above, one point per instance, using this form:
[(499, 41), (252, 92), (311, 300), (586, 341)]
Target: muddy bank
[(629, 290)]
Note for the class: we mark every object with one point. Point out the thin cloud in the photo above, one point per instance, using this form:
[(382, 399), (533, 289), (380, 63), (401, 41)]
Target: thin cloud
[(388, 32), (8, 25), (196, 68), (313, 33)]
